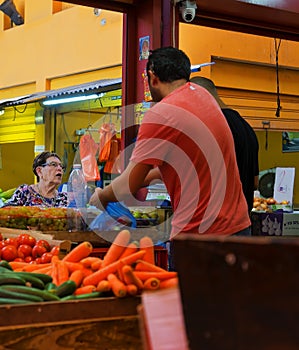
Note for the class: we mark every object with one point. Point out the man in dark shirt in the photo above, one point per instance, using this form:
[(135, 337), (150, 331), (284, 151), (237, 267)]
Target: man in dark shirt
[(246, 143)]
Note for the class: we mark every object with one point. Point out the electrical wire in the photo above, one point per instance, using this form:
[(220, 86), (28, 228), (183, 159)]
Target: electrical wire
[(277, 47)]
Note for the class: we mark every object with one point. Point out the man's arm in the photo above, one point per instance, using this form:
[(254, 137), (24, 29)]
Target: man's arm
[(153, 175), (124, 186)]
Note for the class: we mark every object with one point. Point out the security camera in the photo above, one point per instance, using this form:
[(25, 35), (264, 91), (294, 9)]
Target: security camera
[(188, 10)]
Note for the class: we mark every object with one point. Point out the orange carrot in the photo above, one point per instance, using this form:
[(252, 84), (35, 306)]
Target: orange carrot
[(145, 266), (62, 272), (96, 265), (81, 251), (130, 249), (18, 264), (73, 266), (130, 277), (117, 286), (103, 272), (132, 289), (117, 247), (169, 283), (54, 271), (104, 286), (45, 270), (34, 267), (151, 283), (144, 275), (147, 244), (85, 290), (86, 271), (130, 259), (120, 274), (87, 262), (77, 276)]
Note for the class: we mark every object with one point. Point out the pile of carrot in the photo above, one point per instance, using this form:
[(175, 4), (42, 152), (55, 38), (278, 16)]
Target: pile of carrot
[(127, 268)]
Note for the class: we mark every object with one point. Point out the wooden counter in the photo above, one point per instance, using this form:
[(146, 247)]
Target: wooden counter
[(102, 323)]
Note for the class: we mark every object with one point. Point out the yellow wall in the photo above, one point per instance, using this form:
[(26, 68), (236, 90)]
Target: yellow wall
[(54, 45), (59, 45), (245, 72), (16, 164)]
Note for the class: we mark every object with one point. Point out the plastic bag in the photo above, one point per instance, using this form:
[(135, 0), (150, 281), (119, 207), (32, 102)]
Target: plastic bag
[(88, 150), (116, 216), (107, 131)]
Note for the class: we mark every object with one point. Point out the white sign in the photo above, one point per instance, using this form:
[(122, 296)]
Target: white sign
[(39, 148), (284, 184)]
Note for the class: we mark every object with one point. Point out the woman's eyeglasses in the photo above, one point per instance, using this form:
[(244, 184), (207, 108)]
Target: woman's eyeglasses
[(54, 165)]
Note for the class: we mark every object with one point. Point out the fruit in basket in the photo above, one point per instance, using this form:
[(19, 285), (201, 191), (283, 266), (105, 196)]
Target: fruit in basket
[(271, 201), (24, 250), (27, 239), (38, 251), (9, 253)]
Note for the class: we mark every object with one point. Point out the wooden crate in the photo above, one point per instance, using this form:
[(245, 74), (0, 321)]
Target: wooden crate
[(102, 323), (239, 293)]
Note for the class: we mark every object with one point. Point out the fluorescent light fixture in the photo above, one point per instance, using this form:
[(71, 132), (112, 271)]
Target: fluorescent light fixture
[(72, 99), (197, 67)]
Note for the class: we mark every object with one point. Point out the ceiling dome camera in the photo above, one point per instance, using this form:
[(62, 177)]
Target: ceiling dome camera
[(188, 10)]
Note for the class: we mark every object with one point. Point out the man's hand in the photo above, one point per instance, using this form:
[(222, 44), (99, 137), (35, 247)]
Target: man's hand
[(95, 199)]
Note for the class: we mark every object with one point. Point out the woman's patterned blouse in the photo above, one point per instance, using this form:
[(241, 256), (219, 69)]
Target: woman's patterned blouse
[(25, 195)]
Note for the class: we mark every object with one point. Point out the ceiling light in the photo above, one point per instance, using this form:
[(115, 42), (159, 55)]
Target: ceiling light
[(197, 67), (72, 99)]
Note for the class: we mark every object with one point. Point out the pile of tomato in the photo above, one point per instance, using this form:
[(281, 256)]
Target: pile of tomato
[(26, 248)]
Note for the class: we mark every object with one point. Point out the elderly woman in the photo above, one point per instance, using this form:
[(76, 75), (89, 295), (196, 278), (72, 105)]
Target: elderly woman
[(48, 169)]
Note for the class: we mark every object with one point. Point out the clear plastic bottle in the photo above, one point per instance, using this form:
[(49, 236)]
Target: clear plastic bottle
[(77, 188), (77, 198)]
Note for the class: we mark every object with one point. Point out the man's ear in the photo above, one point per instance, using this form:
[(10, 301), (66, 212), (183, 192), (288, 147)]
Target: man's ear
[(153, 78)]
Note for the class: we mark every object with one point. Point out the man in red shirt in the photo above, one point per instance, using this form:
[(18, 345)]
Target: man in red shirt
[(185, 141)]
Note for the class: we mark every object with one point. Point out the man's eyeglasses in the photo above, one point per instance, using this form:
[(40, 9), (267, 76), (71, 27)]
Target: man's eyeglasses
[(54, 165)]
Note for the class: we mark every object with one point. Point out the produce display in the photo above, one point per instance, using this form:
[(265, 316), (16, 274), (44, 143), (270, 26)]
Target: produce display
[(25, 248), (268, 204), (43, 219), (144, 217), (5, 195), (127, 269)]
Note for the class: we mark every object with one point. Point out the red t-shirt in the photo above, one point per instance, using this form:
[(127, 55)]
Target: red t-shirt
[(188, 138)]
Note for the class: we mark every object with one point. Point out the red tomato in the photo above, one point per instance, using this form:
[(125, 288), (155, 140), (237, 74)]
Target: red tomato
[(1, 237), (38, 261), (38, 251), (28, 259), (11, 241), (9, 253), (55, 250), (25, 238), (44, 243), (19, 259), (2, 244), (24, 250), (46, 258)]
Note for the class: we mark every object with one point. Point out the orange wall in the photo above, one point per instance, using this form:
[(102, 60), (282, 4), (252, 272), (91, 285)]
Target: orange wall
[(51, 45)]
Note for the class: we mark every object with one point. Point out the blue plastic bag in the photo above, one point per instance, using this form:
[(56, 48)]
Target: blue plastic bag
[(116, 216)]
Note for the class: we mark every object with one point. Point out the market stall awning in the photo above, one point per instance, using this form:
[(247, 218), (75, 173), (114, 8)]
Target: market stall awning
[(95, 87)]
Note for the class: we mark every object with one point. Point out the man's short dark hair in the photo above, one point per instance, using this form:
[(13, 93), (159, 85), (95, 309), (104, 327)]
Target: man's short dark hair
[(169, 64)]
